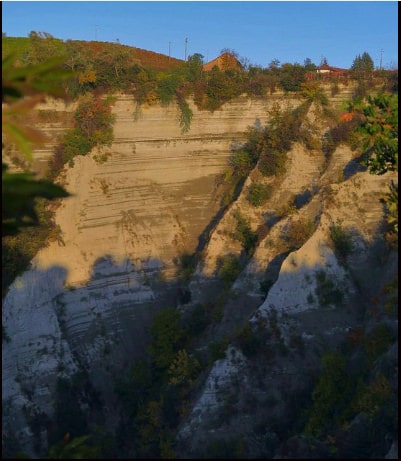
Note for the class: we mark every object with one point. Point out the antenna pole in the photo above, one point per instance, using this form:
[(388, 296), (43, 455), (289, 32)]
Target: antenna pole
[(185, 56), (381, 58)]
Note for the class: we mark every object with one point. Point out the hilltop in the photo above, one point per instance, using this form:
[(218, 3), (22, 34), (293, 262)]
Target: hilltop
[(150, 59)]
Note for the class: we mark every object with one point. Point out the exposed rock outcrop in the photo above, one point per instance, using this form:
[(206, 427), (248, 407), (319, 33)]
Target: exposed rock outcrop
[(88, 299)]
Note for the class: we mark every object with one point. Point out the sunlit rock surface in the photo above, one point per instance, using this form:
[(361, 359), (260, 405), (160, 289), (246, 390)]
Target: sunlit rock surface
[(88, 299)]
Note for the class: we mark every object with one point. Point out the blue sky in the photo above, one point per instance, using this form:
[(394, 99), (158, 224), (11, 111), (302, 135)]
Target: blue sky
[(259, 31)]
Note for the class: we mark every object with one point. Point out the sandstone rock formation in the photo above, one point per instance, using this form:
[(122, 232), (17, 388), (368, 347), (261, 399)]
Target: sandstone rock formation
[(88, 299)]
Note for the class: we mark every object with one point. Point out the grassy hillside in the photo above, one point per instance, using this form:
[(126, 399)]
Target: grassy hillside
[(21, 46)]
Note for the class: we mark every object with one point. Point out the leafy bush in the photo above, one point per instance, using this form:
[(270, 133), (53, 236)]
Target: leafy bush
[(18, 250), (379, 131), (183, 369), (378, 341), (391, 203), (342, 241), (186, 265), (248, 341), (242, 162), (244, 234), (186, 114), (272, 163), (298, 232), (372, 397), (167, 87), (221, 87), (326, 291), (167, 337), (259, 194), (292, 76), (228, 268), (312, 91), (93, 126), (342, 132), (330, 395)]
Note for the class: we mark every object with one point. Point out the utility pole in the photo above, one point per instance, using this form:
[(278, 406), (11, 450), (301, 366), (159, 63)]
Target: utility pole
[(381, 58), (185, 56)]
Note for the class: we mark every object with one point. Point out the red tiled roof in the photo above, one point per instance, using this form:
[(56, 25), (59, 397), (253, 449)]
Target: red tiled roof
[(226, 61), (330, 68)]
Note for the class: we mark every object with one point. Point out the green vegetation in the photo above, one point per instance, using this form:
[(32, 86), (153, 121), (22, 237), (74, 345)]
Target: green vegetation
[(377, 341), (258, 194), (153, 77), (376, 131), (93, 127), (167, 337), (228, 269), (313, 92), (370, 398), (330, 395), (248, 341), (156, 390), (326, 291), (340, 393), (186, 115), (297, 233), (267, 149), (275, 141), (341, 133), (19, 249), (362, 63), (26, 223), (186, 265), (244, 234), (342, 241)]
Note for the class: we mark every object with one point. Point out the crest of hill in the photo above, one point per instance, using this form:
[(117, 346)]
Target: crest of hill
[(149, 59), (226, 61), (145, 58)]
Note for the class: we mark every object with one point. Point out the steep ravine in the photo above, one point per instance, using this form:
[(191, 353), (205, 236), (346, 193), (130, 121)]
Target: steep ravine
[(128, 219), (87, 301), (258, 398)]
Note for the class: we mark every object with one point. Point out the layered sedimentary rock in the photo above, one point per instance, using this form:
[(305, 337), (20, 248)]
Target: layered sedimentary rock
[(89, 297), (315, 299), (95, 289)]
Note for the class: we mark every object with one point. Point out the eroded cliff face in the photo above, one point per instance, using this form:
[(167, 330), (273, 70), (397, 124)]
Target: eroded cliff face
[(88, 299), (314, 299)]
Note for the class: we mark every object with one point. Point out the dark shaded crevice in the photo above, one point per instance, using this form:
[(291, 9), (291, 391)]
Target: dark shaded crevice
[(204, 237)]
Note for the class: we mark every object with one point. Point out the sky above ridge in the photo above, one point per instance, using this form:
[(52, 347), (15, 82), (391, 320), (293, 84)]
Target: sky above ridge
[(260, 31)]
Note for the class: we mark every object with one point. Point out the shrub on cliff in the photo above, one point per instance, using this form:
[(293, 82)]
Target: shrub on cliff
[(298, 232), (259, 194), (244, 234), (228, 268), (93, 126), (330, 395), (342, 241), (167, 337)]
